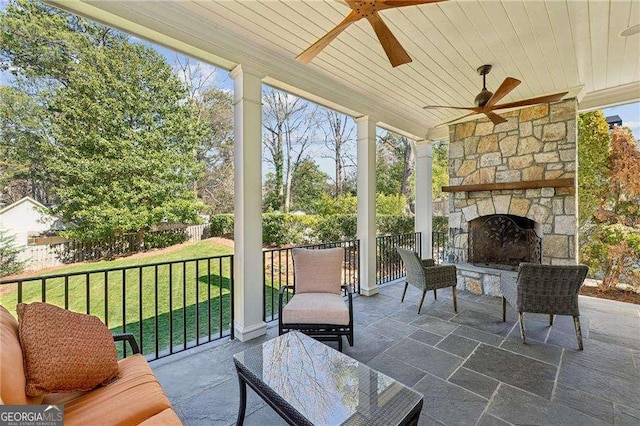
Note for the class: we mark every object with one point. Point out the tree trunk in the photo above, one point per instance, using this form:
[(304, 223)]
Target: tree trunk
[(407, 169)]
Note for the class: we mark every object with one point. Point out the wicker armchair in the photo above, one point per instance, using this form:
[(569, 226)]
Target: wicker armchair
[(423, 274), (545, 289)]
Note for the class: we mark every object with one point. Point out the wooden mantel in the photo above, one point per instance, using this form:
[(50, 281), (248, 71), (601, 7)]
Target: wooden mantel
[(530, 184)]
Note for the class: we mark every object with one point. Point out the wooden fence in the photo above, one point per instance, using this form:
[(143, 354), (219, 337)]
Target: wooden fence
[(40, 256)]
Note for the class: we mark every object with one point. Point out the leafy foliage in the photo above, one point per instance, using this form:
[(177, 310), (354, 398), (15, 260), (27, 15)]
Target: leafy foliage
[(121, 133), (221, 225), (280, 229), (215, 188), (593, 154), (345, 204), (390, 204), (440, 175), (9, 263), (308, 185), (610, 234)]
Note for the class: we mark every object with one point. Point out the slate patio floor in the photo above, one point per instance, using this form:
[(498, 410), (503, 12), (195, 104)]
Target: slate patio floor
[(471, 367)]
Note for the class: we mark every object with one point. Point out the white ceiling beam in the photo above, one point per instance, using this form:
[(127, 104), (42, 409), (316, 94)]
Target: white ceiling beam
[(613, 96)]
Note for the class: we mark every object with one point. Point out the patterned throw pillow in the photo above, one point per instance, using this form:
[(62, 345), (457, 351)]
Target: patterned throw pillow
[(64, 351)]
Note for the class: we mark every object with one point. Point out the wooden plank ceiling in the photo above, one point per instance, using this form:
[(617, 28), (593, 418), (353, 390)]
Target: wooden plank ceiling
[(551, 46)]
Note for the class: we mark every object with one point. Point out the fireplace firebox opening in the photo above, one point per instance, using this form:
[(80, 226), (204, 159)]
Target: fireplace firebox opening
[(503, 241)]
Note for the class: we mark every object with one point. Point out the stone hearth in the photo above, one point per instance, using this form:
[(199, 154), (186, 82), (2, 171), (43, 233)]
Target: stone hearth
[(536, 143)]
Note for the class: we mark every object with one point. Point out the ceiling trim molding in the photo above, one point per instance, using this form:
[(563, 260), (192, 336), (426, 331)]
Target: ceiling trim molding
[(618, 95)]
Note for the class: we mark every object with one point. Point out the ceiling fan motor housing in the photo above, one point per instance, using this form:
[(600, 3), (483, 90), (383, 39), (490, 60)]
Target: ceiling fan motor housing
[(483, 97)]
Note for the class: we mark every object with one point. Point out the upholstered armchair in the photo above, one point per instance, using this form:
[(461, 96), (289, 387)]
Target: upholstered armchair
[(424, 275), (545, 289), (317, 307)]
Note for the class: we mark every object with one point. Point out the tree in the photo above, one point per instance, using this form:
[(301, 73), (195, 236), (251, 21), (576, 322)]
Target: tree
[(215, 110), (216, 186), (613, 241), (9, 263), (122, 128), (394, 166), (338, 135), (593, 155), (289, 124), (25, 147), (308, 185), (440, 173)]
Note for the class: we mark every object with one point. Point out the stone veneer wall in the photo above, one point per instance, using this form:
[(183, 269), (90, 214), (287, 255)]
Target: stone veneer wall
[(537, 142)]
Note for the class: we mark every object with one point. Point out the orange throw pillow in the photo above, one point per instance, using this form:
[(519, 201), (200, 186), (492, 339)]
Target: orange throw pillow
[(64, 351)]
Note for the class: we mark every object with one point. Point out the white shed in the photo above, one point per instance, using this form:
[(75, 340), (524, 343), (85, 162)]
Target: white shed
[(26, 217)]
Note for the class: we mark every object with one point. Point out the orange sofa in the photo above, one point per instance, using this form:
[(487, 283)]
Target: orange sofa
[(135, 398)]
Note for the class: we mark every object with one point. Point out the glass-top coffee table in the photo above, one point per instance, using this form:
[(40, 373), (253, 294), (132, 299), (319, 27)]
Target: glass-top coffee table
[(307, 382)]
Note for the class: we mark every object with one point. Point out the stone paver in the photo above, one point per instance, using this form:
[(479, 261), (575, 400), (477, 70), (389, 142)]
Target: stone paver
[(471, 367)]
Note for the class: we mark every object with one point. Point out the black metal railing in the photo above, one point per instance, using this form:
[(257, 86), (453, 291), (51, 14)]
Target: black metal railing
[(278, 271), (439, 244), (169, 306), (389, 266)]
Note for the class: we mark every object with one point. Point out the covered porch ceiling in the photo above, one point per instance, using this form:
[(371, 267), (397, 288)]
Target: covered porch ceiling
[(551, 45)]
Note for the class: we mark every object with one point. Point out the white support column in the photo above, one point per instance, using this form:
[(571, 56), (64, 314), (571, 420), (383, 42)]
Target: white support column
[(424, 194), (366, 128), (247, 114)]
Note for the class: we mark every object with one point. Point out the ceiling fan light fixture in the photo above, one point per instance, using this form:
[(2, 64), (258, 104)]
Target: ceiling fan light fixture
[(632, 30), (483, 97)]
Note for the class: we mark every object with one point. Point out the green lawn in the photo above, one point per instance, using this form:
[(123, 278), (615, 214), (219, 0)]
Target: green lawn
[(188, 300)]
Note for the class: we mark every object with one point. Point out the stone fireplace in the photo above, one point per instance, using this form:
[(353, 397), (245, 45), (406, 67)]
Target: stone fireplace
[(513, 193), (504, 241)]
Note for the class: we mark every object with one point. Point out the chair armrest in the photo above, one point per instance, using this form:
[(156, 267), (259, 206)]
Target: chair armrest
[(439, 275), (129, 338), (428, 263), (347, 289), (283, 288)]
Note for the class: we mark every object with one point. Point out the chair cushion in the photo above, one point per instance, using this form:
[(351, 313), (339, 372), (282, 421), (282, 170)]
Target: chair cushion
[(166, 417), (134, 397), (64, 351), (318, 271), (316, 308), (12, 378)]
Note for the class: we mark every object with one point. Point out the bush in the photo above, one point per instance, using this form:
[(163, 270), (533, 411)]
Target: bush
[(336, 227), (290, 229), (162, 239), (613, 253), (274, 230), (390, 204), (392, 224), (221, 225), (440, 224)]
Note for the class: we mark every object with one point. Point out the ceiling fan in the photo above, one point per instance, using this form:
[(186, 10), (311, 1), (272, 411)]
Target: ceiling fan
[(487, 102), (367, 9)]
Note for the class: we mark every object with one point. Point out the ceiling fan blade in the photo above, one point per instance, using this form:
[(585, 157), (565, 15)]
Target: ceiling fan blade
[(391, 4), (392, 47), (313, 50), (495, 118), (505, 88), (456, 119), (476, 109), (532, 101)]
